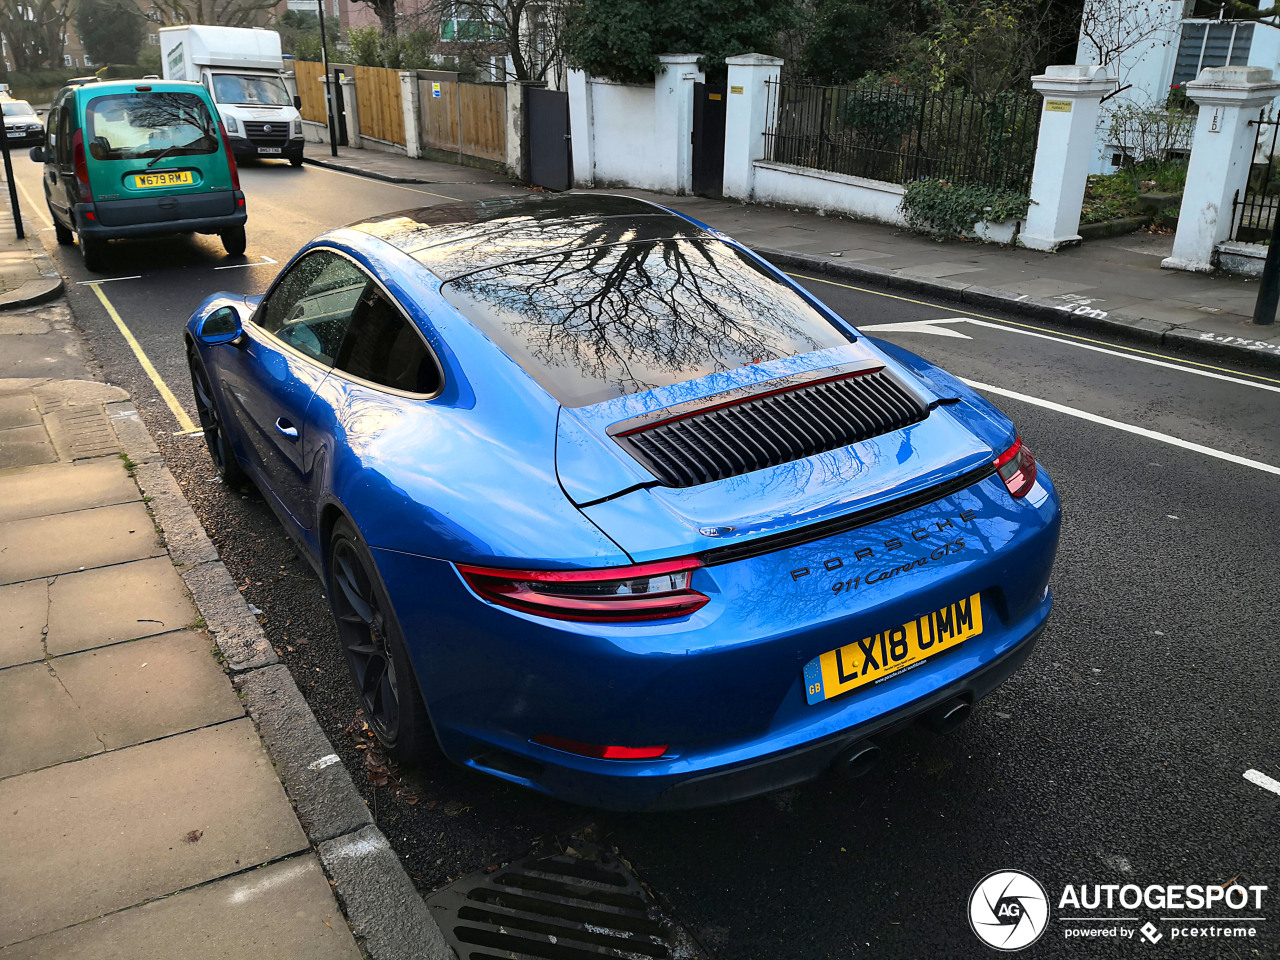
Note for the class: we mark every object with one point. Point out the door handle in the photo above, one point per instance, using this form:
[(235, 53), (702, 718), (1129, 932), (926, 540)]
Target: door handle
[(287, 428)]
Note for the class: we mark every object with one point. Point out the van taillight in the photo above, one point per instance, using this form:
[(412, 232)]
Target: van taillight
[(81, 165), (231, 157)]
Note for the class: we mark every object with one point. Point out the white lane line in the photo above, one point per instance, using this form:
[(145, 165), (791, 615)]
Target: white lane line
[(1126, 427), (39, 209), (1262, 780), (1113, 353), (86, 283), (240, 266)]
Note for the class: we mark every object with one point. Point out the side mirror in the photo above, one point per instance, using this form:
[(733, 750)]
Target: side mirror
[(39, 111), (221, 326), (297, 103), (36, 154)]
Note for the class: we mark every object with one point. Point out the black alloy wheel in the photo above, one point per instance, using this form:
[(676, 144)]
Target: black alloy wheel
[(373, 645), (215, 434)]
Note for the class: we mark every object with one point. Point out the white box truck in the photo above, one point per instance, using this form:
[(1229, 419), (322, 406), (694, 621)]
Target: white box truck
[(243, 70)]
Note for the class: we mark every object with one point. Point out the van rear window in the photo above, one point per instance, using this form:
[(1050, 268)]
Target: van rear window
[(135, 126)]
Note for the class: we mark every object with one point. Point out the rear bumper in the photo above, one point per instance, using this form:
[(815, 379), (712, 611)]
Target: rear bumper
[(152, 219)]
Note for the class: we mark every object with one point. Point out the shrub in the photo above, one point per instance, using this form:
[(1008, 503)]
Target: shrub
[(952, 209), (1150, 132), (1110, 197)]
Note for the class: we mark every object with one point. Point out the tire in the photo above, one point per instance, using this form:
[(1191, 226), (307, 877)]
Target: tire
[(234, 241), (94, 252), (215, 433), (63, 234), (374, 647), (295, 161)]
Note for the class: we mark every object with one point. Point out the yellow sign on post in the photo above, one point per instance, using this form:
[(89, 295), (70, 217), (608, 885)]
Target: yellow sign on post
[(1057, 106), (435, 89)]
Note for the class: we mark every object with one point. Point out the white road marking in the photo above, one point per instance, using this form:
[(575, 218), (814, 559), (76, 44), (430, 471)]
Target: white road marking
[(1126, 427), (238, 266), (1262, 780), (919, 326), (1169, 365), (325, 761), (40, 210), (85, 283)]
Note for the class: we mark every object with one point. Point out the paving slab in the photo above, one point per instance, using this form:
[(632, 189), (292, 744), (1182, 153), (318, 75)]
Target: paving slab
[(24, 610), (40, 724), (86, 838), (280, 912), (18, 410), (129, 600), (45, 546), (25, 446), (146, 689), (62, 487)]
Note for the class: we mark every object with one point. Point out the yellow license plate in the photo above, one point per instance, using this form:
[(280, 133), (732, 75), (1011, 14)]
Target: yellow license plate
[(882, 655), (144, 181)]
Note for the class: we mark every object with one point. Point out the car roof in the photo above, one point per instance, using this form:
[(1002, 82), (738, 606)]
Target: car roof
[(88, 91), (455, 239)]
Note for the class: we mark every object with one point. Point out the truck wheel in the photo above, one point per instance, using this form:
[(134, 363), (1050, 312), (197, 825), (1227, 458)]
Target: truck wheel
[(93, 251), (62, 233), (234, 241), (296, 161)]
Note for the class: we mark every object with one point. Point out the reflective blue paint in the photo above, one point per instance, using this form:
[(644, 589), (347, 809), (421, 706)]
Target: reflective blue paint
[(489, 471)]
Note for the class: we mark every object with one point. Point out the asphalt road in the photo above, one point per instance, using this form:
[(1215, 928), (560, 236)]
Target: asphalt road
[(1116, 755)]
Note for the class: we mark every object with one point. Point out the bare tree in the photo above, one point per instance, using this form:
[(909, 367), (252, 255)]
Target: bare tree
[(532, 31), (1112, 29), (226, 13), (34, 32)]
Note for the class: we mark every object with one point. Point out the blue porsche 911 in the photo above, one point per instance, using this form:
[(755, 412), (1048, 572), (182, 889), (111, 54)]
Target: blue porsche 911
[(609, 507)]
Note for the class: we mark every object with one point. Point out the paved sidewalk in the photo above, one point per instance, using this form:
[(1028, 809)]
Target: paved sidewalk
[(27, 275), (1114, 285), (143, 804)]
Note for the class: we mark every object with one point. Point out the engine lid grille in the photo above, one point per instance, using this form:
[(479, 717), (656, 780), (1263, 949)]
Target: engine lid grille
[(778, 422)]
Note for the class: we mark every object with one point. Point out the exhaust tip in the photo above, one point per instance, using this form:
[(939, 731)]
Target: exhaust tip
[(858, 759), (948, 716)]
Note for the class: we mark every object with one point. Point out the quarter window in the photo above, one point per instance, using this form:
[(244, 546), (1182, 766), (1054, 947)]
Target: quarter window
[(383, 347), (310, 308)]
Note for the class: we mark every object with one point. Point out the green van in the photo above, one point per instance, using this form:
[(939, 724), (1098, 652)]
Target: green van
[(136, 158)]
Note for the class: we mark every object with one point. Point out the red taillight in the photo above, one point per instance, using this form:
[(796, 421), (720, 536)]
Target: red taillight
[(231, 159), (647, 591), (81, 165), (1017, 468), (601, 752)]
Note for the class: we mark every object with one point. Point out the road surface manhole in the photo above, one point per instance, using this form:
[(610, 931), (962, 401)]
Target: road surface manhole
[(557, 906)]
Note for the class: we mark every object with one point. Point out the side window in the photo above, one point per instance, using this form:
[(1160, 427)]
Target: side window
[(383, 347), (310, 308), (62, 148)]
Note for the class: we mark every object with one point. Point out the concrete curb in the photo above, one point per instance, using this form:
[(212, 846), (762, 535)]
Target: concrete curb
[(48, 286), (384, 909), (1119, 325), (361, 172)]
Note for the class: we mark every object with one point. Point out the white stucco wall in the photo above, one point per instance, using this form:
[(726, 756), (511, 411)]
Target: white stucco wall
[(824, 191), (623, 135)]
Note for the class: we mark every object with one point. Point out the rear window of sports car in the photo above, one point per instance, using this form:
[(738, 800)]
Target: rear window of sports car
[(602, 322)]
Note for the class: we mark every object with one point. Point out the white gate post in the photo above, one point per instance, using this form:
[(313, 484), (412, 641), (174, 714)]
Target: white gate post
[(1068, 121), (1221, 153), (581, 129), (409, 104), (746, 119), (673, 118), (351, 107)]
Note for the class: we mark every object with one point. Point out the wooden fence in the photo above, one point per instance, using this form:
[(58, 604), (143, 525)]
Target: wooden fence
[(463, 118), (311, 90), (378, 98)]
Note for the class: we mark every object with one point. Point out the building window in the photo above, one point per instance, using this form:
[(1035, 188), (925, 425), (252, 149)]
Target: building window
[(153, 39), (66, 59), (1211, 43)]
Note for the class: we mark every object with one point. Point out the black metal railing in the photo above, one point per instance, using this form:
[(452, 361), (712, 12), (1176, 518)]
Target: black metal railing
[(1253, 210), (885, 132)]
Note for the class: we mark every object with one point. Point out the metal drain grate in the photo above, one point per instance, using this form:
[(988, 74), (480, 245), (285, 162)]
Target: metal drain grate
[(557, 907)]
